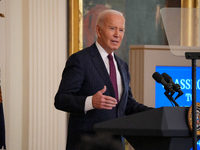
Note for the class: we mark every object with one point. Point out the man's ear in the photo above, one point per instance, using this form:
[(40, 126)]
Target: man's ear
[(98, 30)]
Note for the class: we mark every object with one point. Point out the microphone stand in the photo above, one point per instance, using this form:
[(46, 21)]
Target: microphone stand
[(193, 56), (171, 98)]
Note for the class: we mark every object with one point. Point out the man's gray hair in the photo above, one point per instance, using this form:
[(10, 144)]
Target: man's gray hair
[(102, 15)]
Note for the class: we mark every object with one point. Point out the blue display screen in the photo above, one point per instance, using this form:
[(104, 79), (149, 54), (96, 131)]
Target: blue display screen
[(183, 77)]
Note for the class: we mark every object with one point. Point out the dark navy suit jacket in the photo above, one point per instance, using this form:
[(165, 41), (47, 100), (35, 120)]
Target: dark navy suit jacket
[(84, 75)]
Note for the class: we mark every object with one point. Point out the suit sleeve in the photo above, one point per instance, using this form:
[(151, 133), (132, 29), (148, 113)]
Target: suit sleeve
[(68, 97)]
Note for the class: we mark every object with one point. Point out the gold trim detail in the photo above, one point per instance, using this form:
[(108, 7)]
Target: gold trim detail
[(75, 26), (190, 118), (0, 96), (2, 15)]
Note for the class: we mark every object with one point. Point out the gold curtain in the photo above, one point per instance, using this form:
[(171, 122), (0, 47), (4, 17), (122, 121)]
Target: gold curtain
[(190, 23), (190, 3)]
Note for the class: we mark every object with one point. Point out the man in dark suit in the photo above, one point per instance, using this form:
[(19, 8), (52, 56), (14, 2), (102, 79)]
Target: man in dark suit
[(86, 90)]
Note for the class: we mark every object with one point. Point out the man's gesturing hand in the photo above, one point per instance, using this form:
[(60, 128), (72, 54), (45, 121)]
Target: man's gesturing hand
[(101, 101)]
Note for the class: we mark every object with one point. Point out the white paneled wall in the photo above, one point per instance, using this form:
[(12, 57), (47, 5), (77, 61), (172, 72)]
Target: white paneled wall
[(33, 56), (46, 50)]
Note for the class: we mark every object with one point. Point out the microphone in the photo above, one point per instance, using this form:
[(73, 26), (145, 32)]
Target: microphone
[(176, 87), (160, 79)]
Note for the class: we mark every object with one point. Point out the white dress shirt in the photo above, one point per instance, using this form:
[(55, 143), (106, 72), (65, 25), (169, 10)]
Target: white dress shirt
[(104, 54)]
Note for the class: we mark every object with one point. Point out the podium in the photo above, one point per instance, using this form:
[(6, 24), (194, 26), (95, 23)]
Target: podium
[(164, 128)]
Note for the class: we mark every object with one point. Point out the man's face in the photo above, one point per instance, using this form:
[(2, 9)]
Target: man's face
[(111, 33)]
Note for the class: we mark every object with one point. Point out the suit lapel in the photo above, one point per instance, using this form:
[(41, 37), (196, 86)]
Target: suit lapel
[(122, 71), (100, 66)]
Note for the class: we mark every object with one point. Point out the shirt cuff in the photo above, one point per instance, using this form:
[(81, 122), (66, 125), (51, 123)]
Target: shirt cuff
[(88, 104)]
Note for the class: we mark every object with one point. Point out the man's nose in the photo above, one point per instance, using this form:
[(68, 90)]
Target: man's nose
[(116, 33)]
